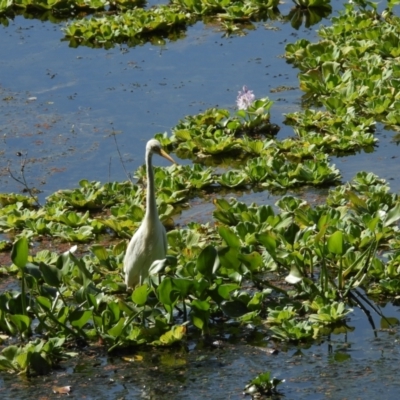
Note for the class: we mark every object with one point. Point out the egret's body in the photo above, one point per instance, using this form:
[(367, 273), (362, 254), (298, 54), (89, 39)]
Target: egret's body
[(149, 243)]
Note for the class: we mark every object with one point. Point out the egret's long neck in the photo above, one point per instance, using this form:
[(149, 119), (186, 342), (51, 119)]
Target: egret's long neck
[(151, 205)]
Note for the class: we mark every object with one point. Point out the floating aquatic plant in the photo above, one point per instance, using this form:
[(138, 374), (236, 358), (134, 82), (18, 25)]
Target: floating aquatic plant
[(353, 68), (326, 252), (83, 298), (263, 385)]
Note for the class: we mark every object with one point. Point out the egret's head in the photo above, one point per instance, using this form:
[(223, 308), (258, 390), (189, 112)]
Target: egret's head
[(154, 147)]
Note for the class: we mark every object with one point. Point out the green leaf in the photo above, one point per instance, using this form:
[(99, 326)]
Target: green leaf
[(183, 286), (44, 302), (167, 293), (79, 318), (10, 352), (207, 261), (19, 252), (267, 239), (229, 257), (200, 305), (139, 295), (393, 215), (229, 236), (225, 289), (253, 261), (7, 365), (336, 243), (51, 274), (22, 322), (116, 330), (200, 314), (100, 252)]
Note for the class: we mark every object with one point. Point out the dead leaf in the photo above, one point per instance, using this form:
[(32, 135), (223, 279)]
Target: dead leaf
[(136, 358), (61, 389)]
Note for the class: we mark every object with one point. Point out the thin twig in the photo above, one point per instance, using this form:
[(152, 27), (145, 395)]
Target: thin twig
[(113, 133), (109, 170), (23, 181)]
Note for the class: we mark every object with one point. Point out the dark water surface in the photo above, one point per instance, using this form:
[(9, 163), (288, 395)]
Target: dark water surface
[(361, 365), (60, 105)]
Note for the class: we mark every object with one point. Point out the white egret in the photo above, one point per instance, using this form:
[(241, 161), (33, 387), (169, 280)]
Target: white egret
[(149, 243)]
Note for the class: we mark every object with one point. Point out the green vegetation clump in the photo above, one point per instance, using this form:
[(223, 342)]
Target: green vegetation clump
[(213, 276), (129, 22), (293, 272), (354, 69)]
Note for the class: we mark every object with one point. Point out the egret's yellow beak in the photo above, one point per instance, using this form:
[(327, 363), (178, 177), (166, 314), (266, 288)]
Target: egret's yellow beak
[(167, 156)]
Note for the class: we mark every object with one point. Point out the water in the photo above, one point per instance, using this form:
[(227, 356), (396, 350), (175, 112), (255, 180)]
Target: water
[(82, 95), (359, 365)]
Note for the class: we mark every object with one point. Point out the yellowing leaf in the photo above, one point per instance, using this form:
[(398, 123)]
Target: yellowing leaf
[(174, 335), (61, 389), (134, 358)]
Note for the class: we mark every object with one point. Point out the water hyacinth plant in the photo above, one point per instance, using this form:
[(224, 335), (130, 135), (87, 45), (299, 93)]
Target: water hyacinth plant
[(130, 22), (84, 297), (293, 272)]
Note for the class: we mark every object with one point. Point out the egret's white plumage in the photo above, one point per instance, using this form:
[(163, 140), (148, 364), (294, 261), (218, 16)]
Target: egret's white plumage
[(149, 243)]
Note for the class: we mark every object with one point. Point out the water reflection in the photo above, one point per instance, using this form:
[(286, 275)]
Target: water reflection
[(355, 364)]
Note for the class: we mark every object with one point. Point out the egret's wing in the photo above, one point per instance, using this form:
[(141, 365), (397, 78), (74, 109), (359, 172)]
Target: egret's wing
[(134, 249), (135, 257)]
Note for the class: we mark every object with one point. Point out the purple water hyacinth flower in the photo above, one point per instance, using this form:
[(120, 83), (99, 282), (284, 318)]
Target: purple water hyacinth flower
[(245, 98)]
